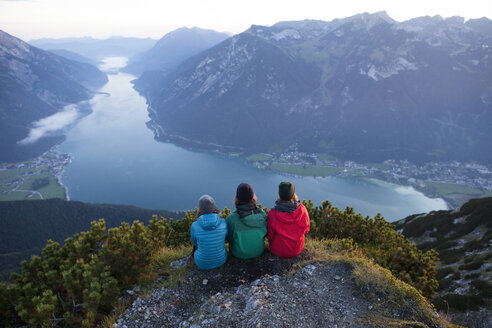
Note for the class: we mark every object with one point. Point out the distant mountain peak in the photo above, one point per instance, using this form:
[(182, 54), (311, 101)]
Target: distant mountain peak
[(340, 80), (36, 84)]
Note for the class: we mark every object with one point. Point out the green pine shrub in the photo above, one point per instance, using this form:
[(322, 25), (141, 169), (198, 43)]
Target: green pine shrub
[(378, 240), (78, 284)]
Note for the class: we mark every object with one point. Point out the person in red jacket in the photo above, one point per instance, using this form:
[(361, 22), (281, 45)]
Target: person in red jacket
[(287, 223)]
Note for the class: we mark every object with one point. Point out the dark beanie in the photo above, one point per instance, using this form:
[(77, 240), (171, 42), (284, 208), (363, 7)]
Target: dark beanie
[(286, 190), (206, 204), (244, 193)]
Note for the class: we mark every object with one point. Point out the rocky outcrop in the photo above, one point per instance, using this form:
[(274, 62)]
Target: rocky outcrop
[(262, 292), (463, 238)]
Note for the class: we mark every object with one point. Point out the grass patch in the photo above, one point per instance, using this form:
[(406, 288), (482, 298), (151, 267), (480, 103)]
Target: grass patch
[(12, 174), (177, 276), (164, 257), (376, 282), (306, 170), (52, 190), (326, 157), (18, 195), (449, 188), (259, 157), (379, 166), (160, 266)]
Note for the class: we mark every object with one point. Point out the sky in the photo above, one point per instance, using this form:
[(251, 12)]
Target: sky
[(32, 19)]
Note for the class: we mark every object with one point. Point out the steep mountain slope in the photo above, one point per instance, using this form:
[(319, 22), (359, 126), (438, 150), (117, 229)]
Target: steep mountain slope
[(35, 84), (364, 87), (27, 225), (73, 56), (463, 239), (174, 48), (96, 48)]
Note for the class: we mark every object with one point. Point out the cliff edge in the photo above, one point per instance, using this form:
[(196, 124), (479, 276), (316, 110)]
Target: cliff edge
[(317, 288)]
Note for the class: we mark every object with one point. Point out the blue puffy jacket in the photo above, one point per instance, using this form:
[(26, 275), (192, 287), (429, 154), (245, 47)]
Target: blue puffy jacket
[(208, 234)]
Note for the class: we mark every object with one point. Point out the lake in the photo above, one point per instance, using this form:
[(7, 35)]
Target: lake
[(116, 160)]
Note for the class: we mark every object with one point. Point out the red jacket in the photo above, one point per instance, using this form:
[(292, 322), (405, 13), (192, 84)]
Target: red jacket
[(285, 231)]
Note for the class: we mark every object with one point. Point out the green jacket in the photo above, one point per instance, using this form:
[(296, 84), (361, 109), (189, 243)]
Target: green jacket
[(246, 235)]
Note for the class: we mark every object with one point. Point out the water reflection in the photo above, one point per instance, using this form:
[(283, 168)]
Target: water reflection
[(116, 160)]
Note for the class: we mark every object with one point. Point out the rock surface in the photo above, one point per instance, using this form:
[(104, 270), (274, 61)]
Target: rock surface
[(255, 293)]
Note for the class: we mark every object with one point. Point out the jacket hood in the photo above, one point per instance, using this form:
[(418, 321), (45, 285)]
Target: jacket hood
[(254, 220), (209, 221), (290, 217)]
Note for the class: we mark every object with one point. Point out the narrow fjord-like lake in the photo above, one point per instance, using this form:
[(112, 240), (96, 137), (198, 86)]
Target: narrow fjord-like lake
[(116, 160)]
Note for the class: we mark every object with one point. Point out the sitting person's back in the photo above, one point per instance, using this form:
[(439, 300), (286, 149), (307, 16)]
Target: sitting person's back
[(287, 223), (208, 234), (247, 225)]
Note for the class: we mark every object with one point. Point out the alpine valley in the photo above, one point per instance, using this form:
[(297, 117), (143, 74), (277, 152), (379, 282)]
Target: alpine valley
[(36, 84), (363, 88)]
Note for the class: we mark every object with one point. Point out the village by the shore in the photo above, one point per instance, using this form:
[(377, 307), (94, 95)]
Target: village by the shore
[(19, 179), (455, 182)]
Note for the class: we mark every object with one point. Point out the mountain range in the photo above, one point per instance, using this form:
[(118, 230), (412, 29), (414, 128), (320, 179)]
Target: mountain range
[(173, 48), (365, 88), (74, 56), (96, 48), (36, 84)]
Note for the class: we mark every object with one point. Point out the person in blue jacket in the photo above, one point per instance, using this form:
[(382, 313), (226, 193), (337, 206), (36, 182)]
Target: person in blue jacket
[(208, 235)]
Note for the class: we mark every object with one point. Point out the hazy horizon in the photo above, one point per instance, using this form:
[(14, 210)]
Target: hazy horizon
[(34, 19)]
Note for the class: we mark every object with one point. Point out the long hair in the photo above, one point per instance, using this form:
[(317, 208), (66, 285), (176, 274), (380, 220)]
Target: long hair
[(250, 203), (293, 199)]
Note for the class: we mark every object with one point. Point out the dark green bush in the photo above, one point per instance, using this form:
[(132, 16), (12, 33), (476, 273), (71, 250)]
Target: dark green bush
[(449, 256), (443, 272), (77, 284), (473, 275), (476, 264), (459, 302), (380, 241)]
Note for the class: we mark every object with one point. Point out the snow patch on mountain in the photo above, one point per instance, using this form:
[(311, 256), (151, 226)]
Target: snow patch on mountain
[(288, 33), (380, 72)]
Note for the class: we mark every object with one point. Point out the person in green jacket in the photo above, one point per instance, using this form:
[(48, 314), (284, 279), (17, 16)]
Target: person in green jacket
[(247, 225)]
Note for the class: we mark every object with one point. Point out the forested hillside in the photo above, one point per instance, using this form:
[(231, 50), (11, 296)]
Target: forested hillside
[(27, 225), (78, 283)]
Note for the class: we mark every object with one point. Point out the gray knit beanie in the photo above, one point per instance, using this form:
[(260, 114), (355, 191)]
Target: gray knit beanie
[(206, 204)]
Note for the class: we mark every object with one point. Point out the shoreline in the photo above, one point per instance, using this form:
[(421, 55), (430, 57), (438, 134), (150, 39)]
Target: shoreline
[(59, 175), (452, 199), (50, 165)]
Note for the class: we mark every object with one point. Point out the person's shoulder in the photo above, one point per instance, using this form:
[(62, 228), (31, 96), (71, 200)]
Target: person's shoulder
[(262, 213), (223, 224), (194, 225), (233, 216)]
